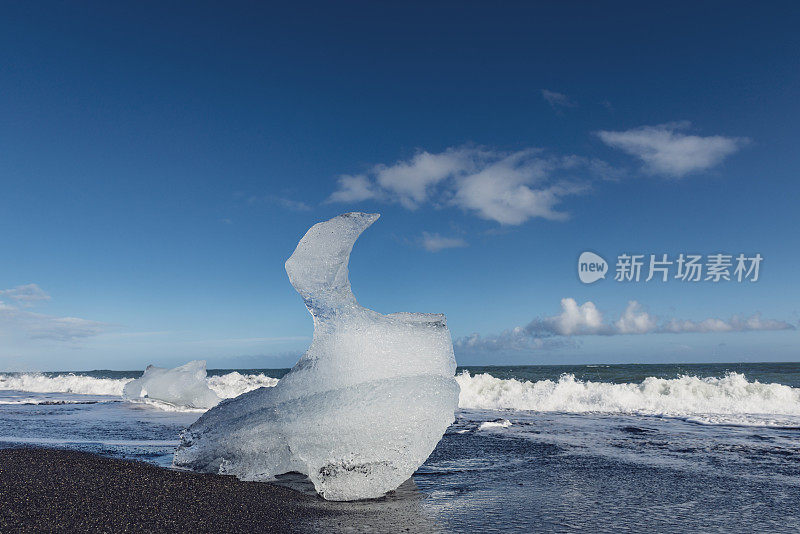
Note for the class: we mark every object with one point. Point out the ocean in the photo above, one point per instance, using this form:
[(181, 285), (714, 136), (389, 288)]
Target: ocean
[(600, 448)]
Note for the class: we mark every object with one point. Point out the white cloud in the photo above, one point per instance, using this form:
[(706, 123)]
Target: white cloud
[(576, 320), (506, 187), (513, 189), (411, 181), (634, 320), (665, 150), (16, 322), (557, 99), (436, 242), (586, 320), (542, 333)]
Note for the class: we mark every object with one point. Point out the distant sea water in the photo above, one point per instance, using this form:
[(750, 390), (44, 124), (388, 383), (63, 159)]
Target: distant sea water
[(673, 447)]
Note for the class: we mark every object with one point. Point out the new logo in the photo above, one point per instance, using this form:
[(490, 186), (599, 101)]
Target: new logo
[(591, 267)]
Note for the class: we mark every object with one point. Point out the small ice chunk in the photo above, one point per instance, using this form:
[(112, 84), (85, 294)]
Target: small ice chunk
[(494, 425), (362, 409), (183, 386)]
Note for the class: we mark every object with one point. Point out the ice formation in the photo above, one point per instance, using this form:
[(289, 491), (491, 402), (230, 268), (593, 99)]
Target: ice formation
[(182, 386), (362, 409), (495, 425)]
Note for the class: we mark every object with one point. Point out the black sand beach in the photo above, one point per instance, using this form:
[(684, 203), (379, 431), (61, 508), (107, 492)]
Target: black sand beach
[(48, 490), (66, 491)]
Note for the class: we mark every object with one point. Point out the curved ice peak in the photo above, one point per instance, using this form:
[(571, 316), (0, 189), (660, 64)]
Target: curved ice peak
[(318, 267), (362, 409)]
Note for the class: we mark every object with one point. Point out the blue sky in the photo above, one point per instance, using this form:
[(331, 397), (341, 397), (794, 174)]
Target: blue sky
[(159, 164)]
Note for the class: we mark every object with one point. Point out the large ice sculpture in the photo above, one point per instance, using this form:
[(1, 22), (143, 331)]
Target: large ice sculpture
[(183, 386), (362, 409)]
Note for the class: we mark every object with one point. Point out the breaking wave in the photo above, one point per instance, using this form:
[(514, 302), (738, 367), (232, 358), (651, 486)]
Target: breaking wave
[(225, 386), (66, 383), (685, 396), (731, 399)]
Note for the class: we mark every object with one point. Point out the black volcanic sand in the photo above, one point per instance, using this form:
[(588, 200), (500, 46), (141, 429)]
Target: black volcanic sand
[(45, 490)]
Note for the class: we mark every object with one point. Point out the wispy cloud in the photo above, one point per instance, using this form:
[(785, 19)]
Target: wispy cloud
[(41, 326), (735, 324), (506, 187), (288, 203), (586, 320), (249, 340), (408, 182), (436, 242), (666, 150), (26, 294), (15, 321), (557, 99), (355, 188), (514, 340)]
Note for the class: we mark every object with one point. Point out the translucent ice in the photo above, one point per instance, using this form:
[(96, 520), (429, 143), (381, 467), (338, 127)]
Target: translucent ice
[(362, 409), (183, 386)]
